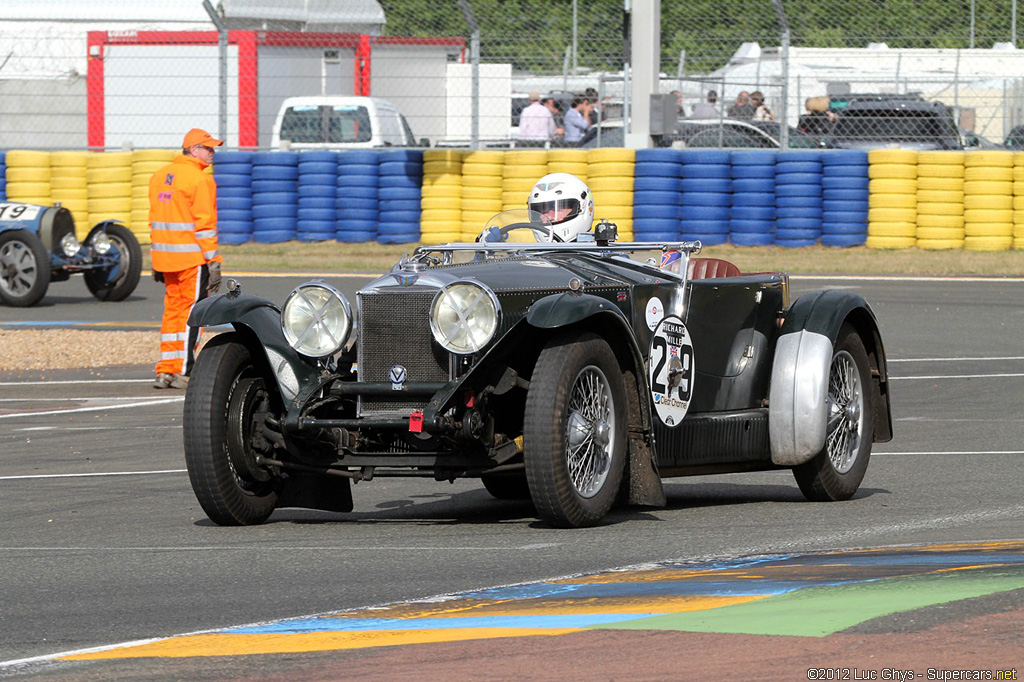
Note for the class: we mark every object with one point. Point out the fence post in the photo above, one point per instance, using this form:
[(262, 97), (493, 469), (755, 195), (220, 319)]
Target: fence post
[(222, 77), (784, 107), (474, 74)]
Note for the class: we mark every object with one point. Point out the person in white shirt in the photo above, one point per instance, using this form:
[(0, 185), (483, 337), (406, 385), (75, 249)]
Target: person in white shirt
[(536, 122), (706, 110)]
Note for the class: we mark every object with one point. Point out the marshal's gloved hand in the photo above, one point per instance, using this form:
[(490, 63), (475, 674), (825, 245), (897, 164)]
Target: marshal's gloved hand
[(214, 283), (158, 277)]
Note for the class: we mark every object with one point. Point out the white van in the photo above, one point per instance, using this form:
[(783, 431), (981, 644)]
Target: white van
[(339, 122)]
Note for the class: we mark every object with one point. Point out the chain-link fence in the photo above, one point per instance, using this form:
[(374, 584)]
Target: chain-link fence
[(114, 74)]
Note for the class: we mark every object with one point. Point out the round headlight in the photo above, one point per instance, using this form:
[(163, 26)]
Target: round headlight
[(69, 244), (101, 243), (464, 317), (316, 320)]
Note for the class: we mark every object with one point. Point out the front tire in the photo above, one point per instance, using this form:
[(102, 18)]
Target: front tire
[(24, 268), (575, 431), (836, 472), (131, 266), (222, 409)]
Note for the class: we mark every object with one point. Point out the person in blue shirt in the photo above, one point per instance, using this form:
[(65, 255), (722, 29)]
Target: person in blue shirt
[(577, 120)]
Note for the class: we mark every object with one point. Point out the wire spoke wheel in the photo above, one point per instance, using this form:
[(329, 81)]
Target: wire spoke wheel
[(590, 431), (846, 412)]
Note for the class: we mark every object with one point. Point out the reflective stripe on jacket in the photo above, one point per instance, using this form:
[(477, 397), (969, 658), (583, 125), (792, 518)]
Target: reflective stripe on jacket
[(182, 216)]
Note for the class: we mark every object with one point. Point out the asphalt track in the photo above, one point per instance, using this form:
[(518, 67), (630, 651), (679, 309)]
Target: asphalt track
[(104, 551)]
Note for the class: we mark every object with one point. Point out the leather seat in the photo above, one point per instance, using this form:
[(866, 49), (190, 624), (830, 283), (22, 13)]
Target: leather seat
[(706, 268)]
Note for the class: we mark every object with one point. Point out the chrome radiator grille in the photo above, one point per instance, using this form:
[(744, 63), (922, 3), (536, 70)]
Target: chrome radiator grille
[(394, 329)]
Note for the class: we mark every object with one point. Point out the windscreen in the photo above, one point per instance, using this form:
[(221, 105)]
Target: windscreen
[(326, 124)]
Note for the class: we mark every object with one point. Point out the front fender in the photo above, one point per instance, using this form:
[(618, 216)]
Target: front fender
[(259, 322), (560, 310), (798, 412)]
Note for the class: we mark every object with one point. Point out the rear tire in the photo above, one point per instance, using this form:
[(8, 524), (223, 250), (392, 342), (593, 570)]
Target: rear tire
[(836, 472), (575, 431), (507, 486), (224, 395)]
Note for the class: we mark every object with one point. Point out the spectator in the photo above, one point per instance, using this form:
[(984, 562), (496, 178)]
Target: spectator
[(679, 102), (577, 120), (537, 122), (555, 108), (742, 109), (706, 110), (819, 119), (761, 110), (595, 106)]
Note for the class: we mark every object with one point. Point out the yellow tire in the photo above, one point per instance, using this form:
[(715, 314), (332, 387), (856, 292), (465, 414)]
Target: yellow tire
[(26, 158), (441, 168), (988, 158), (988, 173), (893, 229), (528, 157), (948, 222), (937, 171), (147, 168), (65, 195), (109, 190), (109, 174), (1018, 173), (988, 230), (520, 186), (892, 186), (610, 169), (988, 243), (935, 158), (930, 196), (613, 198), (141, 205), (892, 201), (484, 157), (472, 192), (892, 171), (68, 159), (110, 205), (987, 187), (68, 174), (531, 173), (940, 184), (477, 170), (450, 179), (441, 237), (566, 156), (892, 215), (28, 189), (578, 169), (110, 160), (478, 217), (988, 201), (29, 174), (611, 154), (443, 156), (1018, 187), (610, 184), (99, 216), (448, 215), (447, 193), (441, 201), (892, 156), (1018, 203), (890, 242), (491, 206), (940, 244), (940, 233), (161, 156), (988, 215), (1018, 217), (482, 181)]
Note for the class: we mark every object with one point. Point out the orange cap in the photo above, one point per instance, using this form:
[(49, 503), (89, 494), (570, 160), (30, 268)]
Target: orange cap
[(200, 136)]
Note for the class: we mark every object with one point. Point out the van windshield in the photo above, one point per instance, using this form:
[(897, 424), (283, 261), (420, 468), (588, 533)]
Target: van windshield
[(326, 124)]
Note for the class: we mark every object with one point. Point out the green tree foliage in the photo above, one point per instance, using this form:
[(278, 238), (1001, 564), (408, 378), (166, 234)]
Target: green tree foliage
[(533, 34)]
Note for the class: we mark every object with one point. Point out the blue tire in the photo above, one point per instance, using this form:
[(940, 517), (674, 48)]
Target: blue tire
[(274, 187), (706, 213), (658, 155), (751, 226), (328, 215), (273, 236), (795, 243), (358, 181), (307, 167), (274, 198), (649, 198), (788, 191), (233, 226), (654, 236), (355, 236), (798, 224), (220, 168), (358, 193), (233, 204), (401, 205), (358, 169), (275, 211), (753, 199), (656, 184), (845, 171), (859, 196), (357, 203), (408, 155), (745, 185), (752, 238), (758, 213), (401, 182), (801, 155), (232, 157), (234, 238), (798, 167), (782, 213), (319, 155), (233, 214), (692, 171), (318, 179), (310, 191), (752, 172), (388, 193), (701, 156), (314, 236), (275, 173), (845, 182), (356, 226), (656, 169), (654, 225), (687, 226), (794, 233), (754, 158), (402, 168), (832, 227), (706, 199), (843, 240), (387, 216), (655, 211), (798, 202), (317, 202), (798, 179), (232, 180), (346, 214), (844, 157), (723, 185), (275, 158), (358, 157), (234, 192)]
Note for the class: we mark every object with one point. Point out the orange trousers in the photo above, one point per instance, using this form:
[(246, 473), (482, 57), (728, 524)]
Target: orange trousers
[(178, 341)]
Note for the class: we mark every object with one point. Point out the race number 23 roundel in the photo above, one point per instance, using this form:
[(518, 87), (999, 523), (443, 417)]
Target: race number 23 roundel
[(672, 371)]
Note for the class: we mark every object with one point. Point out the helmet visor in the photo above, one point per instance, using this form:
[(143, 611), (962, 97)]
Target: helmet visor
[(557, 211)]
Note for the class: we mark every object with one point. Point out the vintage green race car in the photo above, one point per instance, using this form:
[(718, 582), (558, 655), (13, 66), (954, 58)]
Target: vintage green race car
[(576, 375)]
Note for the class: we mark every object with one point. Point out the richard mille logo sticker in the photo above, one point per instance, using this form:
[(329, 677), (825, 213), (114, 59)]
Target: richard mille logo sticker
[(672, 370), (397, 375), (655, 311)]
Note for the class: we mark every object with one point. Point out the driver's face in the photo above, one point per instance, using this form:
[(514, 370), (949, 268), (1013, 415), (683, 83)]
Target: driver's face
[(556, 215)]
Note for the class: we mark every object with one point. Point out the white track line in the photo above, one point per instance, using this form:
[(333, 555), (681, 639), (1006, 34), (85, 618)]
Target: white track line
[(94, 474), (145, 403)]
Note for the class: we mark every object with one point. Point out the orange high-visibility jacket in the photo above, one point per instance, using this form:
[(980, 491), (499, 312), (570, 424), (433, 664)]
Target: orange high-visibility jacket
[(183, 216)]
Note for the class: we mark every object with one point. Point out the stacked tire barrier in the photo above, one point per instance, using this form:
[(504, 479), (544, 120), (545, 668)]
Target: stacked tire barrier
[(145, 162), (940, 200), (401, 177), (988, 201), (233, 173), (109, 175), (519, 174), (481, 190), (845, 198), (1018, 200), (799, 206), (3, 176), (752, 217), (657, 185), (707, 196), (28, 176), (357, 196), (573, 161), (892, 214), (70, 189), (610, 177), (275, 196), (317, 196), (441, 201)]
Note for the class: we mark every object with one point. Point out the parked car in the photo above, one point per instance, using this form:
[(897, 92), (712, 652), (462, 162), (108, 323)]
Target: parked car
[(909, 124), (38, 246), (336, 122), (742, 134), (576, 375), (1015, 138)]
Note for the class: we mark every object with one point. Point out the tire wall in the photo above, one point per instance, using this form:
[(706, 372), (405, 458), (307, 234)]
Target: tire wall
[(887, 199)]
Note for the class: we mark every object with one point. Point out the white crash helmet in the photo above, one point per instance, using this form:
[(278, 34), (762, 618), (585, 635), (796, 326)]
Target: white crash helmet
[(565, 201)]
